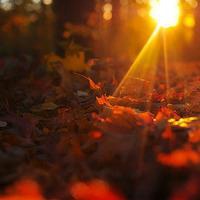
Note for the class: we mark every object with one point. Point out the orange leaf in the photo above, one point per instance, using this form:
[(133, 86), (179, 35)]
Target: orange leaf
[(179, 158), (93, 85), (166, 113), (23, 190), (194, 136), (147, 117), (93, 190), (96, 134), (168, 134), (103, 100)]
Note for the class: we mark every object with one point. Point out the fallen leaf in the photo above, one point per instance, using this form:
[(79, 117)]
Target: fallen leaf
[(93, 85), (103, 101), (194, 136), (71, 62), (179, 158), (93, 190), (183, 122), (168, 134), (96, 134), (166, 113), (23, 190)]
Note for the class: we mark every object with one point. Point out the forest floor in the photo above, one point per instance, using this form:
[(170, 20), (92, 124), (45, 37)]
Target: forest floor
[(64, 136)]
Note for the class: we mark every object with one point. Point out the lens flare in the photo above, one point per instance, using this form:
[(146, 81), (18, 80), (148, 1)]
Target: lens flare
[(165, 12)]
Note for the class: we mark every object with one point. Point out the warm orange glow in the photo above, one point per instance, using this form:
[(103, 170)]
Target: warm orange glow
[(47, 2), (165, 12), (107, 16), (189, 21), (107, 7), (192, 3), (107, 11)]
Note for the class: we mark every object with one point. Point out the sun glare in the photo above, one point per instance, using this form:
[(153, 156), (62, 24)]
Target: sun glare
[(165, 12)]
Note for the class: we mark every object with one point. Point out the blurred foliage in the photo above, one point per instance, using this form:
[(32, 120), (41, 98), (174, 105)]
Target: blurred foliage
[(45, 29), (26, 32)]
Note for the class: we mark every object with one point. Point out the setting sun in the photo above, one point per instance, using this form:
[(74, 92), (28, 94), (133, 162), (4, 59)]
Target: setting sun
[(165, 12)]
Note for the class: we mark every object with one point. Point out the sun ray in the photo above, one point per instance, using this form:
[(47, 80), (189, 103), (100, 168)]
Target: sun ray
[(166, 64), (144, 65)]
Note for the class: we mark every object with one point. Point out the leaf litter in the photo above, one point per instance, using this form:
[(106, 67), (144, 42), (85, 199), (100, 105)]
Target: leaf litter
[(64, 136)]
